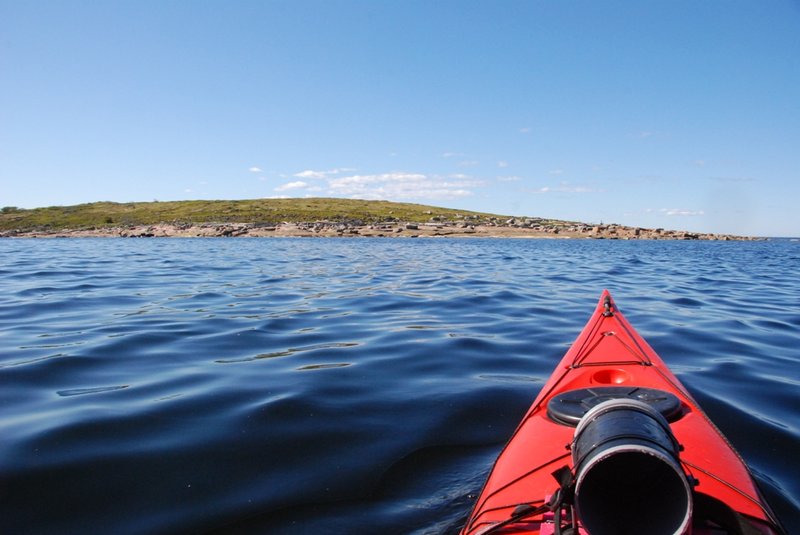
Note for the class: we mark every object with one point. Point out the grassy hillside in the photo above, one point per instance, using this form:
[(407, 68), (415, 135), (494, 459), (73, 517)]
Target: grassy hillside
[(266, 211)]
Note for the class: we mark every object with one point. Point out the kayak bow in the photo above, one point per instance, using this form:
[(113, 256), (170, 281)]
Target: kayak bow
[(641, 456)]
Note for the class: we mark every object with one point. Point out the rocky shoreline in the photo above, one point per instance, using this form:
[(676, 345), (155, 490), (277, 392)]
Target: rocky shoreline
[(511, 228)]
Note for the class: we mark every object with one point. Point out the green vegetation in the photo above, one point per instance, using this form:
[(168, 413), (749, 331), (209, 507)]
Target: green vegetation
[(259, 211)]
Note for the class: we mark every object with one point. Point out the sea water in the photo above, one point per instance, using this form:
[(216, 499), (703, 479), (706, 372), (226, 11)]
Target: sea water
[(349, 385)]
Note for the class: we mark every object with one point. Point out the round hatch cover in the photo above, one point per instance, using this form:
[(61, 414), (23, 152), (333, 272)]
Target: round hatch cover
[(569, 407)]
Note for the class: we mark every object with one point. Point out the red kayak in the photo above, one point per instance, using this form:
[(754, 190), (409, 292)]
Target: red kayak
[(615, 444)]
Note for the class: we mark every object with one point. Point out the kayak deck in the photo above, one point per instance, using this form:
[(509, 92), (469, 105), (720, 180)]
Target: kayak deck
[(610, 353)]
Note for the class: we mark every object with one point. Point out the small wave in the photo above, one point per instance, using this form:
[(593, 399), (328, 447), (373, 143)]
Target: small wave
[(288, 352), (324, 366), (686, 302), (32, 361), (92, 390), (512, 378)]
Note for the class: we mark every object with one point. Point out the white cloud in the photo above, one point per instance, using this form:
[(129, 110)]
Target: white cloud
[(396, 185), (292, 185), (452, 154), (311, 174), (469, 163), (567, 188), (681, 212), (401, 185), (502, 164), (363, 180), (509, 178), (320, 175), (556, 172), (255, 169), (525, 130)]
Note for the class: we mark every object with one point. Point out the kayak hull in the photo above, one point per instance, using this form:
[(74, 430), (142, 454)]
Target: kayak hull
[(610, 353)]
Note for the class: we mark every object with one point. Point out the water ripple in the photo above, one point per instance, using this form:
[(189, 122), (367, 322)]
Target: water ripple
[(238, 386), (91, 390), (289, 352)]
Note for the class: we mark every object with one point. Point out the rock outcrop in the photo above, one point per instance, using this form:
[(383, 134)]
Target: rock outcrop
[(436, 227)]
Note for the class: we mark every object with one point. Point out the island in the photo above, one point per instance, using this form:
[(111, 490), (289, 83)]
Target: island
[(313, 217)]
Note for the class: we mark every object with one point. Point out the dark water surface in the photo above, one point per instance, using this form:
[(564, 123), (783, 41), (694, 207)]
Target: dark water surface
[(349, 385)]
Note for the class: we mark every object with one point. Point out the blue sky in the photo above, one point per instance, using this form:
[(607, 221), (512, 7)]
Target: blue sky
[(675, 114)]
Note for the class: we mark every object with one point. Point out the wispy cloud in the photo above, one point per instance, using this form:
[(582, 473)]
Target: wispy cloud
[(403, 186), (255, 169), (509, 178), (292, 185), (311, 174), (320, 175), (556, 172), (525, 130), (452, 154), (671, 212), (564, 187), (396, 185), (681, 212), (502, 164)]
